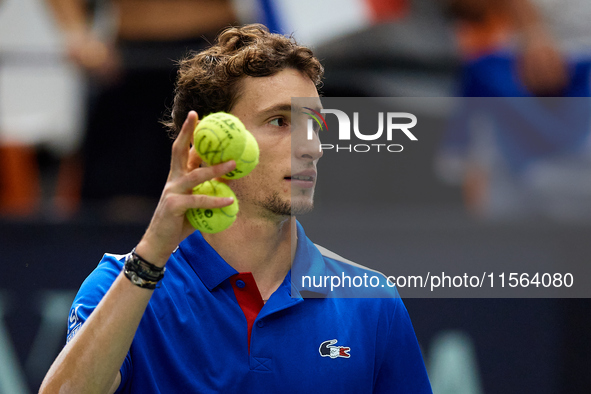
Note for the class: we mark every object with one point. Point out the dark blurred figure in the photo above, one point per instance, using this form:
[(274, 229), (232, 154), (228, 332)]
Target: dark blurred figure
[(129, 49), (510, 49), (528, 157)]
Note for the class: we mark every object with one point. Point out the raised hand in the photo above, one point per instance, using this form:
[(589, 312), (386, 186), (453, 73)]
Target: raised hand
[(169, 226)]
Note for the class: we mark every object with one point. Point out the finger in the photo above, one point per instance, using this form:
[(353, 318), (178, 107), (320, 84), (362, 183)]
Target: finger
[(545, 80), (182, 203), (208, 202), (200, 175), (544, 71), (180, 148), (531, 78), (558, 72)]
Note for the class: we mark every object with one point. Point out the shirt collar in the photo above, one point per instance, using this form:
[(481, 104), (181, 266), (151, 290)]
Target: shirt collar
[(211, 268)]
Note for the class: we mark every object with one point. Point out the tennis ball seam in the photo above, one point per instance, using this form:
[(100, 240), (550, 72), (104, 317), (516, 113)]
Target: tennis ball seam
[(229, 147)]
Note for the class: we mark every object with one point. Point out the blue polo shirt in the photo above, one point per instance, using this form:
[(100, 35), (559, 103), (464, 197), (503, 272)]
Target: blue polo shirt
[(206, 330)]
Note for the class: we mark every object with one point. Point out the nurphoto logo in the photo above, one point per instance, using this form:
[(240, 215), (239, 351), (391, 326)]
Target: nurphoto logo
[(395, 122)]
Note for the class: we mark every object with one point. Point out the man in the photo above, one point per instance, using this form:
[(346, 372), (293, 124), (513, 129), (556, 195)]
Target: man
[(225, 318)]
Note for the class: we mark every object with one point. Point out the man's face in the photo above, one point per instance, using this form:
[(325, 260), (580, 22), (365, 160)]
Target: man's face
[(264, 106)]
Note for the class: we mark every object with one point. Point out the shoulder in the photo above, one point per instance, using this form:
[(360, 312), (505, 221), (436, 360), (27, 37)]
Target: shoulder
[(338, 263), (349, 279), (105, 273), (92, 291)]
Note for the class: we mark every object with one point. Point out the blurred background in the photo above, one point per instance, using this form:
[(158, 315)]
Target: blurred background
[(83, 159)]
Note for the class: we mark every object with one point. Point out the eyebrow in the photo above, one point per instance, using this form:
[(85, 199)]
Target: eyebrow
[(282, 108), (276, 108)]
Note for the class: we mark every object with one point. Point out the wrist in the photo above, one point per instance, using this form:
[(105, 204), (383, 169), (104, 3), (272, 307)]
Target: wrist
[(141, 272), (146, 249)]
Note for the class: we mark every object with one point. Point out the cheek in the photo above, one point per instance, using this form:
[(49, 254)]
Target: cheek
[(276, 149), (253, 183)]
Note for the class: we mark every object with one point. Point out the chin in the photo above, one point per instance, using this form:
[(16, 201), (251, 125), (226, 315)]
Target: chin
[(301, 207)]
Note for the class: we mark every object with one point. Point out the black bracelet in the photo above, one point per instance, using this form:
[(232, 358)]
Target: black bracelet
[(141, 272), (148, 267)]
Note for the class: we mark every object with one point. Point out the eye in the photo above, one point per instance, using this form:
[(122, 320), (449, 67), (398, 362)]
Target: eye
[(279, 122)]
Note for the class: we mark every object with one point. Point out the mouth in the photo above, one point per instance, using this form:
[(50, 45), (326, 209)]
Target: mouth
[(301, 178), (304, 179)]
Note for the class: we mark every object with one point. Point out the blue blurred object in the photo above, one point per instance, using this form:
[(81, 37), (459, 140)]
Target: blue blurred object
[(270, 17), (495, 75), (526, 128), (532, 154)]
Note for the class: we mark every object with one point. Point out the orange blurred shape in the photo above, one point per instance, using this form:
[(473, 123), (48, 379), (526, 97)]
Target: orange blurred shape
[(388, 10), (476, 39), (20, 190)]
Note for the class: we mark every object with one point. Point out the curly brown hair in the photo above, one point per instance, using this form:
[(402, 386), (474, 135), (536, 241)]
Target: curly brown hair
[(208, 81)]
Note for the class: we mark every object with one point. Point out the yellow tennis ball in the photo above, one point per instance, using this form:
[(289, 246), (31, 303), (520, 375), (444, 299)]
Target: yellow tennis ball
[(213, 220), (220, 137), (248, 161)]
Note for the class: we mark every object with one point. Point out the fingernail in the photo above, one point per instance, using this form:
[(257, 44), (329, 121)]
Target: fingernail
[(229, 200)]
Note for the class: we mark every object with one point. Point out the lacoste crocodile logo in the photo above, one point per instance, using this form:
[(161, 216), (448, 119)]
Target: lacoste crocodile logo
[(328, 350)]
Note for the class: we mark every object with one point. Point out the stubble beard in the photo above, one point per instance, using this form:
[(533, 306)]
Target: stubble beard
[(278, 206)]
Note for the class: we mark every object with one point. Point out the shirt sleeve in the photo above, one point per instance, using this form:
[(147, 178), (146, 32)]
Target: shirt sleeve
[(402, 369), (91, 292)]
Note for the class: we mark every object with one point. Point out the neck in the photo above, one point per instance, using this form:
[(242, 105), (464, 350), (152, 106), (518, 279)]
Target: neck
[(264, 247)]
